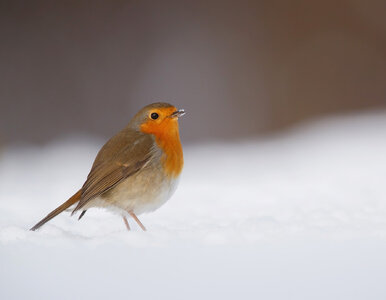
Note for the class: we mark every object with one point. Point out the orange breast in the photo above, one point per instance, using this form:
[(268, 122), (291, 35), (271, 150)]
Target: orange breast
[(168, 139), (172, 158)]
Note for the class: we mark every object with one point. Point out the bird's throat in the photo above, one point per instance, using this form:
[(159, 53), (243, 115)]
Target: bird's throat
[(167, 137), (172, 157)]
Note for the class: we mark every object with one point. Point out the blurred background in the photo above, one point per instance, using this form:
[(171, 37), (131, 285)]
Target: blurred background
[(239, 68)]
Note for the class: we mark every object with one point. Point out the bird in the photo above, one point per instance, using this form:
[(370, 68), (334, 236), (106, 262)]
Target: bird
[(136, 171)]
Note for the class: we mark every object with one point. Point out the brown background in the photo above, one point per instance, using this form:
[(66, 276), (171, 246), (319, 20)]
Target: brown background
[(239, 68)]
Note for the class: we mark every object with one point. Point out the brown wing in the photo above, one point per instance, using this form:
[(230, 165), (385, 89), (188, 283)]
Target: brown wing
[(122, 156)]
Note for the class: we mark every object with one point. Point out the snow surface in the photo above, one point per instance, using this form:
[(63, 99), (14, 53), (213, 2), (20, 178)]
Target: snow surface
[(298, 215)]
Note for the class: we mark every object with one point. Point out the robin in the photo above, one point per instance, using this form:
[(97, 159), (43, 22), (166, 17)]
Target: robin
[(137, 170)]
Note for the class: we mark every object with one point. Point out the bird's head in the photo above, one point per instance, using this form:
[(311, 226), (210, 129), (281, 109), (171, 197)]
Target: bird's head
[(158, 119)]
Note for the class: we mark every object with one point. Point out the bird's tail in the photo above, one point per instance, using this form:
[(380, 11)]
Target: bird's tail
[(75, 198)]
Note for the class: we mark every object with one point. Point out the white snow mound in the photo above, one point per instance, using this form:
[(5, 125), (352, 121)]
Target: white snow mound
[(298, 215)]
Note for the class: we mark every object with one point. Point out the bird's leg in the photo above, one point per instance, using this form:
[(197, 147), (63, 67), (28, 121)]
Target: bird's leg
[(137, 220), (126, 223)]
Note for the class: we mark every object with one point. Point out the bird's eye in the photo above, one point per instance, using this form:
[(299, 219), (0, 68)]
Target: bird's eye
[(154, 116)]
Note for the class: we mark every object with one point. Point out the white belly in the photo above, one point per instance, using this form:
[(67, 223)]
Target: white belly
[(151, 201), (137, 195)]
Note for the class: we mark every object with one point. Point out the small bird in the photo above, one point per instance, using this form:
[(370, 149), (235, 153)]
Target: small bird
[(137, 170)]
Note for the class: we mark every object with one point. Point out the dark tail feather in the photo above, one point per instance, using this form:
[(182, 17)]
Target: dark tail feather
[(82, 214), (75, 198)]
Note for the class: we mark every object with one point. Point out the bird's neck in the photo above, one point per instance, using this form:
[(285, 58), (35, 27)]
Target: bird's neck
[(172, 157)]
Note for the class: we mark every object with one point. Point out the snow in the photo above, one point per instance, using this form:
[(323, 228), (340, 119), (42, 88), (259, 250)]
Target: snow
[(296, 215)]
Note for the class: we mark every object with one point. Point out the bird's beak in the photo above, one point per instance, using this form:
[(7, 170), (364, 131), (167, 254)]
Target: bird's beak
[(178, 113)]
